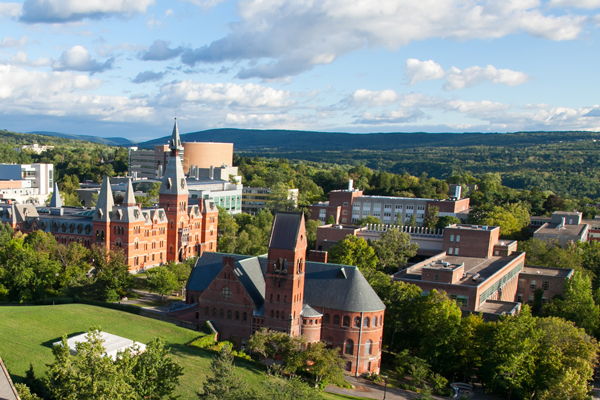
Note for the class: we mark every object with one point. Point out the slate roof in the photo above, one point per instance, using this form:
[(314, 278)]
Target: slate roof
[(284, 233), (309, 312), (247, 269), (333, 286)]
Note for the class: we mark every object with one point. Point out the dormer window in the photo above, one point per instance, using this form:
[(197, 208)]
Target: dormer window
[(169, 183)]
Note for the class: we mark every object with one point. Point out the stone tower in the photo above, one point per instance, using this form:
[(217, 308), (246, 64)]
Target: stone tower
[(284, 282), (173, 198)]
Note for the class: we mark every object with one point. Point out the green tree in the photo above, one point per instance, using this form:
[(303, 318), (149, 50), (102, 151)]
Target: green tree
[(565, 360), (578, 304), (511, 218), (446, 221), (225, 383), (162, 281), (182, 271), (228, 231), (393, 249), (412, 221), (90, 374), (311, 233), (25, 393), (369, 219), (353, 251), (330, 220), (323, 364), (288, 389), (280, 198), (431, 217), (155, 375), (111, 273)]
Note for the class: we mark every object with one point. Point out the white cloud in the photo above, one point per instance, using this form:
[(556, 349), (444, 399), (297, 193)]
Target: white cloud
[(416, 71), (224, 94), (575, 3), (58, 11), (296, 36), (400, 116), (64, 94), (21, 59), (10, 9), (205, 4), (77, 58), (363, 97), (11, 42), (457, 79)]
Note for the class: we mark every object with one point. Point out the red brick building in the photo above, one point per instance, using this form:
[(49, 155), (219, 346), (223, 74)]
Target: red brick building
[(284, 292), (149, 237)]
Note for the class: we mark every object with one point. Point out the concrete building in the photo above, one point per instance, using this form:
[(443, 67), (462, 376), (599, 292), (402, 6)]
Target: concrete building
[(483, 273), (430, 241), (206, 155), (174, 231), (34, 148), (142, 163), (351, 205), (563, 227), (281, 291), (26, 183), (255, 199)]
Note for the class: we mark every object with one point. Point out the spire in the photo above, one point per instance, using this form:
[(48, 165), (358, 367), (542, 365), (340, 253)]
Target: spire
[(129, 199), (105, 202), (175, 141), (173, 181), (55, 201)]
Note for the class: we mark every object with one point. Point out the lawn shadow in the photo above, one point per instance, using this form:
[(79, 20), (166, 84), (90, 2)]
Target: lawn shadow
[(50, 343)]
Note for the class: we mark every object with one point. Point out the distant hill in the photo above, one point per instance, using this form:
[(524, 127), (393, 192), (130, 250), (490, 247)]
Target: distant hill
[(253, 140), (112, 141)]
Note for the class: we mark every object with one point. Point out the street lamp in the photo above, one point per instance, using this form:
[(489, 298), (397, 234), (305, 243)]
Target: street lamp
[(385, 377)]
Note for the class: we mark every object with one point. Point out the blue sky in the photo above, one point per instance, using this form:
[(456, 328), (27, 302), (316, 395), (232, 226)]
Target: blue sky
[(127, 67)]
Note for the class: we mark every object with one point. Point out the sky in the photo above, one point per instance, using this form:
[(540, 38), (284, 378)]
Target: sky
[(126, 68)]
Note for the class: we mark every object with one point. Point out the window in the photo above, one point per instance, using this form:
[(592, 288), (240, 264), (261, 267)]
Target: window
[(457, 238), (349, 347), (326, 319), (222, 313), (357, 322), (214, 312), (346, 321), (450, 250), (245, 318), (532, 285), (456, 251), (521, 283), (461, 301), (369, 347), (452, 238), (229, 314), (206, 311), (530, 299), (436, 277), (336, 319), (367, 322), (545, 285), (520, 297)]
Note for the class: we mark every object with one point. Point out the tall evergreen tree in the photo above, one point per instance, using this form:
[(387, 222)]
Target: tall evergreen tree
[(225, 384)]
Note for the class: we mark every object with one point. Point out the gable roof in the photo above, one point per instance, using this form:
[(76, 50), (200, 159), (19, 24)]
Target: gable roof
[(247, 269), (285, 230), (338, 287)]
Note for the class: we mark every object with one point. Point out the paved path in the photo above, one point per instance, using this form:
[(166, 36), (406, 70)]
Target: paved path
[(147, 298), (369, 390)]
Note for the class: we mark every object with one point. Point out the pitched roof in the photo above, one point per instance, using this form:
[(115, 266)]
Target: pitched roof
[(331, 286), (55, 201), (105, 203), (7, 389), (129, 199), (175, 141), (309, 312), (248, 269), (285, 230)]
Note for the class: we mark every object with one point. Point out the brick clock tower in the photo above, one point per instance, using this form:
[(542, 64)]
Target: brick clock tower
[(173, 198), (284, 282)]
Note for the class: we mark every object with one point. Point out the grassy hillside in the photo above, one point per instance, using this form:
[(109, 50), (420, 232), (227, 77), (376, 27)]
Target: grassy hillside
[(27, 334)]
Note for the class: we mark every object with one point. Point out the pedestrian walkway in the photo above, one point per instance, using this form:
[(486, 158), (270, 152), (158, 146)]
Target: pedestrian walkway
[(369, 390)]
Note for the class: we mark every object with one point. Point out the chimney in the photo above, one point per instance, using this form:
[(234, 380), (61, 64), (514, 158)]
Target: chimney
[(350, 185), (212, 172), (317, 256)]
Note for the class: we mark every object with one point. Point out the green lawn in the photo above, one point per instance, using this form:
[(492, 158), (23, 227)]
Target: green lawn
[(27, 334)]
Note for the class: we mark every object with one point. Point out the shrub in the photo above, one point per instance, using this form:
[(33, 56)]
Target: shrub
[(204, 342)]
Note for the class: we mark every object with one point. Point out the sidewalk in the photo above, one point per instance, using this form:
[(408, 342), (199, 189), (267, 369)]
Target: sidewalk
[(368, 390)]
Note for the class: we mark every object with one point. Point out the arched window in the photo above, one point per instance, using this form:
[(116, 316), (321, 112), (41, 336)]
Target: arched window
[(136, 244), (336, 319), (367, 322), (214, 312), (369, 347), (207, 311), (237, 315), (245, 316), (375, 321), (349, 347), (222, 313), (229, 314), (346, 321), (326, 319), (357, 322)]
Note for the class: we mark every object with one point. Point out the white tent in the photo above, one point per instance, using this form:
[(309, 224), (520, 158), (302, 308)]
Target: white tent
[(112, 343)]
